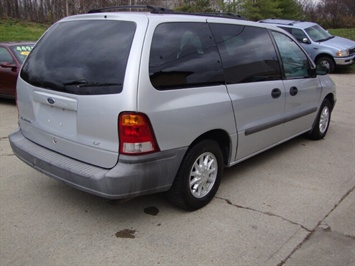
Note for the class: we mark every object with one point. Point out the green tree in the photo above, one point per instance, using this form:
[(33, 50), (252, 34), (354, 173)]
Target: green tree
[(230, 6), (195, 6), (291, 9), (260, 9)]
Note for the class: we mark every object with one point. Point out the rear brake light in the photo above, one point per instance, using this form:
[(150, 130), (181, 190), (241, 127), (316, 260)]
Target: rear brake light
[(136, 134)]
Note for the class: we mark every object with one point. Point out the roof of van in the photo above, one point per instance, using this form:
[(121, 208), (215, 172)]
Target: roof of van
[(168, 17), (162, 10), (156, 11), (163, 14)]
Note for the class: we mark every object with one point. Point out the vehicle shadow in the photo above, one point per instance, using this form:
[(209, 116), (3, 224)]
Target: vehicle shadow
[(263, 158), (344, 70), (7, 101)]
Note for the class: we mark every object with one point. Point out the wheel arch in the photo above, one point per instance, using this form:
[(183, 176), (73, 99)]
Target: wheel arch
[(223, 140), (324, 55), (331, 99)]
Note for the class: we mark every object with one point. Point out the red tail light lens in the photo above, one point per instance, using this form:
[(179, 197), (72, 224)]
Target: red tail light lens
[(136, 134)]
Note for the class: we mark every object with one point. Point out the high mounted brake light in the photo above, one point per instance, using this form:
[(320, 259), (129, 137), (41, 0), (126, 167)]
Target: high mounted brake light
[(136, 134)]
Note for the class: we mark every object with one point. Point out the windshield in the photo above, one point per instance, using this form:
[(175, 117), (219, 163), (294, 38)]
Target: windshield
[(21, 51), (81, 57), (318, 34)]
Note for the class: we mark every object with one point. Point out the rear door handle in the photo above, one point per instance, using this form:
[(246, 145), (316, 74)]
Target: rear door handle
[(293, 91), (275, 93)]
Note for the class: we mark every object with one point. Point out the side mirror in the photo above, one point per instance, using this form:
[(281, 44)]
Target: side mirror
[(305, 40)]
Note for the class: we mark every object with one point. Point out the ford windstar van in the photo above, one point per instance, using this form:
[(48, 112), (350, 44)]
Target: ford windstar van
[(121, 104)]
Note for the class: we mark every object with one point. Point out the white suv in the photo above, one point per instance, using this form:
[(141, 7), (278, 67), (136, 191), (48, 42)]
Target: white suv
[(121, 104)]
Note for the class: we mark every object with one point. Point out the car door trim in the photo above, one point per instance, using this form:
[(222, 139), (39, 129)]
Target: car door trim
[(300, 114), (280, 121)]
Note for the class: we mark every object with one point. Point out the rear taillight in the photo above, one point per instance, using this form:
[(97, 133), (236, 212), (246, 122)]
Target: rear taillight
[(136, 134)]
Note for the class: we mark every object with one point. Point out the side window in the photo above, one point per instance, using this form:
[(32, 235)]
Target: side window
[(184, 55), (298, 34), (248, 54), (5, 56), (294, 60), (289, 30)]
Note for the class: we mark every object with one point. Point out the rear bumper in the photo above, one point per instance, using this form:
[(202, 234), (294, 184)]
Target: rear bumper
[(132, 176)]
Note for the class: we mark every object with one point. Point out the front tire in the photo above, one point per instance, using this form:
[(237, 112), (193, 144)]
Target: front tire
[(321, 125), (327, 62), (199, 176)]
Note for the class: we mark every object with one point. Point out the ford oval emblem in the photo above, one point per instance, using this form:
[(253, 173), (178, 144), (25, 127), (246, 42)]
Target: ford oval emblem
[(50, 100)]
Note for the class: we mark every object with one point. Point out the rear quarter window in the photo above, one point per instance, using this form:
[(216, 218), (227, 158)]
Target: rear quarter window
[(184, 55), (81, 57)]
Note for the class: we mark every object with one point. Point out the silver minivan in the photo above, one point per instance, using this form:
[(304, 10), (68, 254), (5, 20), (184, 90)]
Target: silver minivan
[(122, 104)]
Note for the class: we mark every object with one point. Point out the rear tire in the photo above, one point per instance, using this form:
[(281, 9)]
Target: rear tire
[(321, 124), (198, 177)]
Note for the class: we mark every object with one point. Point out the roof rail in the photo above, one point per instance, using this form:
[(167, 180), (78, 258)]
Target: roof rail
[(162, 10), (153, 9), (292, 23), (218, 14)]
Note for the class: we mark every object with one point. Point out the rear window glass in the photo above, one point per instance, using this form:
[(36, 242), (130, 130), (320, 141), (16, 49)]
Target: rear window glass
[(21, 51), (81, 57)]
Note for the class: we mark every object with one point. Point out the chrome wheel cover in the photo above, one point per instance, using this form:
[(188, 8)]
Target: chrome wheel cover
[(203, 175), (324, 119), (325, 63)]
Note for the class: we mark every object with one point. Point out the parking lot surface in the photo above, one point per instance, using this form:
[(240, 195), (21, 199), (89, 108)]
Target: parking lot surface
[(291, 205)]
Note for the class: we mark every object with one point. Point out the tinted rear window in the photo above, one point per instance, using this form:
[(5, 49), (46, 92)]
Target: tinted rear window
[(81, 57), (184, 55)]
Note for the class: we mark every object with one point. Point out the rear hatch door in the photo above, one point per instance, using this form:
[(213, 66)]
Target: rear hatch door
[(74, 84)]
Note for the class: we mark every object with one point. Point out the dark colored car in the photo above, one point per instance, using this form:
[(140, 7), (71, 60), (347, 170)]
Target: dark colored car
[(12, 55)]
